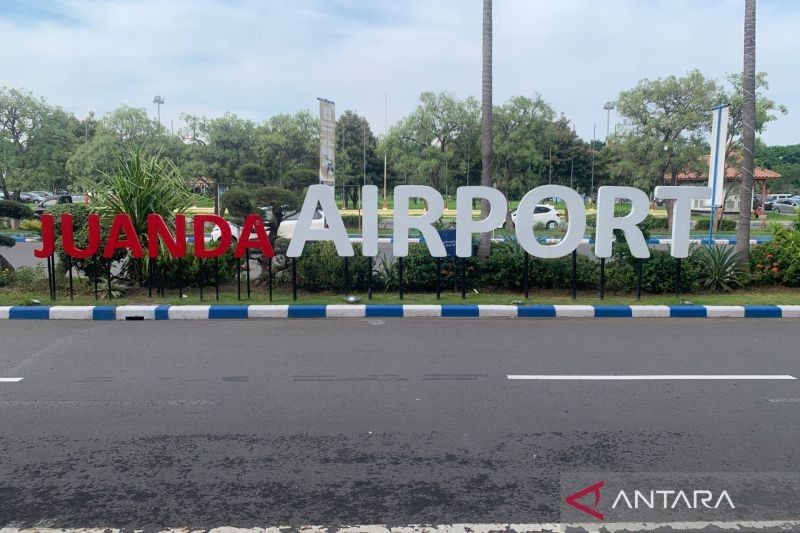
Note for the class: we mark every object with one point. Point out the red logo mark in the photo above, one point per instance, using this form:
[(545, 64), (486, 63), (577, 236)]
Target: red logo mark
[(592, 511)]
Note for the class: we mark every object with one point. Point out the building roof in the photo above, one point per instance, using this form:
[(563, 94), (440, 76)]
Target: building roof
[(732, 170)]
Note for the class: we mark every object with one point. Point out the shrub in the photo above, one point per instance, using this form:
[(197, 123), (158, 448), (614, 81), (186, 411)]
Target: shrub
[(658, 272), (29, 278), (701, 224), (238, 203), (720, 268), (321, 269), (778, 261), (195, 273)]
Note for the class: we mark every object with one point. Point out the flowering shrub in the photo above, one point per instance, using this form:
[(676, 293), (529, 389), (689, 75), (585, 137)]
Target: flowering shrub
[(777, 261)]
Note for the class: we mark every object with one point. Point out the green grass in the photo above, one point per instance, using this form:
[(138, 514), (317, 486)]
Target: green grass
[(762, 296)]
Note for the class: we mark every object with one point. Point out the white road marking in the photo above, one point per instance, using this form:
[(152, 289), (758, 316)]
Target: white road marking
[(10, 380), (644, 377), (553, 527)]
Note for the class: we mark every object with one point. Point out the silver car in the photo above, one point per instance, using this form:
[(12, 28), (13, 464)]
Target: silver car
[(786, 205)]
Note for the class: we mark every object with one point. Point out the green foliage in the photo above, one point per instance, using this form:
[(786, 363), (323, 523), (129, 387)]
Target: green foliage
[(9, 209), (299, 179), (701, 224), (321, 269), (658, 272), (778, 260), (28, 279), (721, 268), (279, 203), (194, 272), (93, 267), (253, 174), (238, 203)]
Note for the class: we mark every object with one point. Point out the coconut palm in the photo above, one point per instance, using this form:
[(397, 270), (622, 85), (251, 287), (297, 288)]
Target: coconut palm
[(486, 120), (748, 131)]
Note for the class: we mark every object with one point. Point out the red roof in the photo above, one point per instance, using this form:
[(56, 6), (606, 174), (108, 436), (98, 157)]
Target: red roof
[(731, 173)]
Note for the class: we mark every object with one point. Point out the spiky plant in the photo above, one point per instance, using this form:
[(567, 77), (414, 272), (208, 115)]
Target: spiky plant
[(721, 268)]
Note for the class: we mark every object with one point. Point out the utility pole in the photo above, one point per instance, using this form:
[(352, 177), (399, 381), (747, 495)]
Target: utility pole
[(594, 134), (385, 132)]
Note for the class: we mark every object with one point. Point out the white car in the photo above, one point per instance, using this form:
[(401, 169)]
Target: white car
[(545, 215), (285, 230)]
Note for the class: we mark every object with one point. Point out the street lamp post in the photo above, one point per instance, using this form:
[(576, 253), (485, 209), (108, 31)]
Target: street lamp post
[(608, 107), (158, 100)]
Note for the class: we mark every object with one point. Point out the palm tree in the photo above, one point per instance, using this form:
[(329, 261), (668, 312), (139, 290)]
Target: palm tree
[(486, 120), (748, 131)]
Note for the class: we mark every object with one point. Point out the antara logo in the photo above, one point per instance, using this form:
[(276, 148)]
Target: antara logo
[(666, 499)]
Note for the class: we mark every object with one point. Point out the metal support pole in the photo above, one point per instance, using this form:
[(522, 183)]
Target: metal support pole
[(149, 278), (369, 277), (69, 268), (247, 270), (602, 277), (463, 278), (400, 275), (438, 278), (50, 278), (677, 277), (346, 276), (108, 280), (638, 279), (202, 276), (526, 280), (239, 279), (216, 277), (269, 273), (96, 282), (180, 278), (294, 279), (574, 274)]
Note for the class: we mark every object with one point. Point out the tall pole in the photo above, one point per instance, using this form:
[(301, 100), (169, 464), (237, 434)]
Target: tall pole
[(608, 107), (487, 153), (594, 134), (385, 131)]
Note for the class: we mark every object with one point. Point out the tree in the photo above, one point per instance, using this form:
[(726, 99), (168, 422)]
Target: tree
[(119, 133), (429, 145), (287, 142), (356, 155), (665, 122), (253, 174), (486, 121), (35, 142), (748, 132)]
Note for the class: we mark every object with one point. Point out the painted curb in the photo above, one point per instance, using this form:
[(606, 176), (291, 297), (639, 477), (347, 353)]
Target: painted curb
[(243, 312)]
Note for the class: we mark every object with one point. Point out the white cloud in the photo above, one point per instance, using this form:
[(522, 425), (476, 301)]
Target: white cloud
[(259, 58)]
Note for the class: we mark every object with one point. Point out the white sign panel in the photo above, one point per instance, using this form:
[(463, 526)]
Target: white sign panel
[(327, 142), (716, 167)]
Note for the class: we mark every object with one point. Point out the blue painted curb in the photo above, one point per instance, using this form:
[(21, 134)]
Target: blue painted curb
[(242, 312)]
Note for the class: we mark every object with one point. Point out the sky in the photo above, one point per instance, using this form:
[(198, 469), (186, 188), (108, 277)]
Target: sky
[(258, 58)]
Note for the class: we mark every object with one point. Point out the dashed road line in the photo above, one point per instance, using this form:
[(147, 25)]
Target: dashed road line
[(648, 377), (10, 380)]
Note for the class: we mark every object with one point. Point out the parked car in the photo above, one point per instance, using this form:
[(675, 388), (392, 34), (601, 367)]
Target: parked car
[(285, 230), (546, 215), (786, 205), (44, 205)]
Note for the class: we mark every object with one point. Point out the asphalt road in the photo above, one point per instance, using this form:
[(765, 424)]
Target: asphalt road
[(258, 423)]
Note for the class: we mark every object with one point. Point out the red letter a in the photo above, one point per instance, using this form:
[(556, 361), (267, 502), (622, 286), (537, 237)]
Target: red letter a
[(122, 225), (253, 223)]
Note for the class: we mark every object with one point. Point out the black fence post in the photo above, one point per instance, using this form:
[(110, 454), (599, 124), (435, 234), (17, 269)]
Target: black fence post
[(69, 268), (400, 275), (149, 278), (677, 277), (239, 279), (108, 281), (247, 270), (574, 274), (369, 277), (180, 278), (97, 280), (638, 279), (202, 276), (602, 278), (438, 278), (216, 277), (526, 279), (346, 276), (463, 278), (269, 274), (294, 279), (49, 279)]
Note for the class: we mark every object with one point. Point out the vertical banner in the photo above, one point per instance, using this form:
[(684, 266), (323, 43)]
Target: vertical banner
[(716, 169), (327, 141)]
